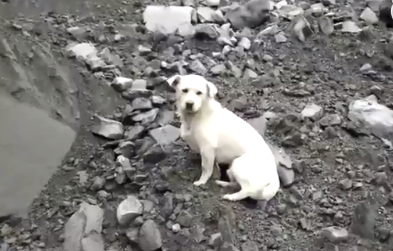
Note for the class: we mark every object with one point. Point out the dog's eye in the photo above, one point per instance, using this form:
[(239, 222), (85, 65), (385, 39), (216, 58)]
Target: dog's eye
[(199, 93), (185, 90)]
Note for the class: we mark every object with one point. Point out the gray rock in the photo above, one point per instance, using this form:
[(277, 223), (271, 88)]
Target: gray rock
[(350, 27), (249, 74), (372, 114), (312, 111), (149, 236), (326, 25), (98, 183), (139, 84), (245, 43), (302, 28), (280, 38), (365, 68), (126, 167), (197, 67), (205, 14), (335, 234), (228, 247), (206, 30), (121, 84), (215, 240), (125, 148), (218, 69), (252, 14), (287, 176), (364, 218), (134, 132), (250, 246), (218, 17), (78, 32), (128, 210), (165, 135), (330, 120), (111, 58), (369, 16), (108, 128), (290, 11), (141, 104), (184, 218), (146, 118), (167, 19), (85, 222), (213, 3)]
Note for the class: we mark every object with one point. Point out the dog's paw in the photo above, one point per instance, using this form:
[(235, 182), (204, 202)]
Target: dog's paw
[(199, 183), (230, 197)]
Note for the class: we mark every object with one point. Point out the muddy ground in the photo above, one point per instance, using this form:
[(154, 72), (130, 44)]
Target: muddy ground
[(342, 172)]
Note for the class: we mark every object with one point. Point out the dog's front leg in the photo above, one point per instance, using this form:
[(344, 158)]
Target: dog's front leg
[(208, 156)]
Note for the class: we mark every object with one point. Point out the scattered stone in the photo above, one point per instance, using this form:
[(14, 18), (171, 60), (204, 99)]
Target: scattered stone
[(290, 11), (335, 234), (167, 19), (326, 25), (251, 14), (312, 111), (250, 246), (121, 84), (206, 30), (364, 218), (302, 28), (205, 14), (365, 68), (330, 120), (245, 43), (197, 67), (369, 16), (215, 240), (108, 128), (280, 38), (149, 236), (350, 27), (184, 219), (165, 135), (128, 210)]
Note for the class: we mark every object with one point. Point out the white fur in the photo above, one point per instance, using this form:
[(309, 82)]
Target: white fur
[(219, 135)]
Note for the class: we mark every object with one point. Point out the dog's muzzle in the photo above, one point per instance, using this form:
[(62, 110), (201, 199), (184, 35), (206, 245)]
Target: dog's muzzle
[(190, 106)]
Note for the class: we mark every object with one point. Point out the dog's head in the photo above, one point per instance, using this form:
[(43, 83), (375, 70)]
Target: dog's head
[(192, 91)]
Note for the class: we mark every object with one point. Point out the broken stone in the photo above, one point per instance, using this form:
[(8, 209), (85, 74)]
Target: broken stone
[(335, 234), (206, 30), (128, 210), (330, 120), (146, 118), (215, 240), (184, 219), (290, 11), (121, 84), (141, 104), (249, 74), (205, 14), (81, 50), (110, 58), (252, 14), (245, 43), (372, 114), (125, 164), (326, 25), (287, 176), (165, 135), (197, 67), (369, 16), (350, 27), (108, 128), (218, 69), (302, 28), (280, 38), (312, 111), (149, 236), (167, 19)]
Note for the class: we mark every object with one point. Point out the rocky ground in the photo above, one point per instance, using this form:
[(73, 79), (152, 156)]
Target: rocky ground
[(301, 72)]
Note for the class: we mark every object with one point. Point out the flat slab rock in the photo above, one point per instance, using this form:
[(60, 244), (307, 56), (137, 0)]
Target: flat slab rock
[(128, 210), (108, 128), (165, 135), (168, 19)]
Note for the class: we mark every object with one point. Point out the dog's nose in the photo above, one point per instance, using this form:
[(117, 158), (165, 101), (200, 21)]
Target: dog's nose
[(189, 105)]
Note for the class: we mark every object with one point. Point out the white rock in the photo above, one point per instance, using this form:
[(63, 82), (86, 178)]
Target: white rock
[(373, 114), (167, 19), (351, 27), (205, 14), (312, 111), (245, 43), (128, 210), (82, 50), (121, 84), (335, 234), (212, 3), (369, 16), (108, 128)]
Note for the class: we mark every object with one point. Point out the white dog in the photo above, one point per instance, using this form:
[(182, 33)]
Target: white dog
[(219, 135)]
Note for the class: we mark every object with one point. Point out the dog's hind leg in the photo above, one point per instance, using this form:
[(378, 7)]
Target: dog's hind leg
[(242, 194)]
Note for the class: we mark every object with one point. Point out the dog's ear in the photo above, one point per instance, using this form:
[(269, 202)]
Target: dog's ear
[(211, 89), (174, 81)]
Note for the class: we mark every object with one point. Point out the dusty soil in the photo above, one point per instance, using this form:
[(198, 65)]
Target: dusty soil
[(324, 70)]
